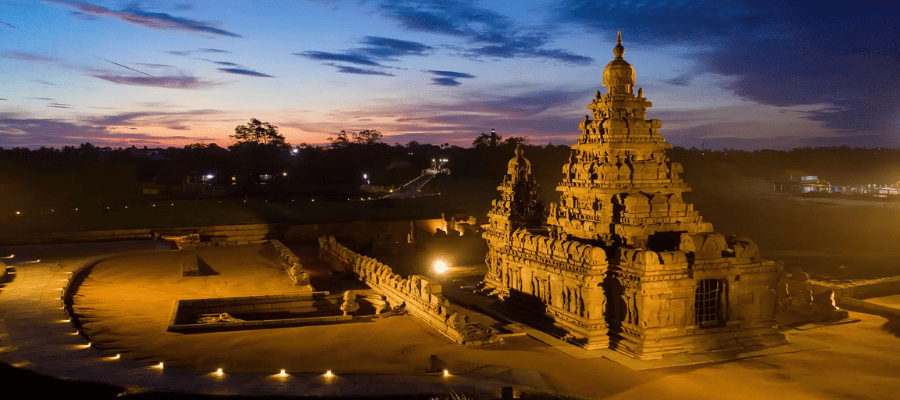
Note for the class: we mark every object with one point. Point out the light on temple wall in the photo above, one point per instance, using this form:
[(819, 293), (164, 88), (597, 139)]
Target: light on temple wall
[(440, 266)]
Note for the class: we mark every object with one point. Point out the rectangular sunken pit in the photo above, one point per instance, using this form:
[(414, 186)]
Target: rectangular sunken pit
[(260, 312)]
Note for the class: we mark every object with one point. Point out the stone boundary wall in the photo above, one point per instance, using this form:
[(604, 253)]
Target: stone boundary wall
[(3, 272), (420, 295), (857, 290), (299, 232), (67, 237), (865, 305), (217, 233), (287, 257)]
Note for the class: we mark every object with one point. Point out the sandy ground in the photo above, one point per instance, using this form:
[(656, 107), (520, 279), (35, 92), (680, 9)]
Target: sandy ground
[(126, 304)]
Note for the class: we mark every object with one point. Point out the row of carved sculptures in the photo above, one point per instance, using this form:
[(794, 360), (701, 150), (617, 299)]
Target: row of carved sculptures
[(622, 171), (415, 291), (561, 250)]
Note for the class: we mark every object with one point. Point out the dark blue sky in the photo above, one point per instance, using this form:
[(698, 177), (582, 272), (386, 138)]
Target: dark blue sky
[(737, 74)]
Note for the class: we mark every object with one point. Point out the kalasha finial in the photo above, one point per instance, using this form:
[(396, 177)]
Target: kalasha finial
[(619, 50)]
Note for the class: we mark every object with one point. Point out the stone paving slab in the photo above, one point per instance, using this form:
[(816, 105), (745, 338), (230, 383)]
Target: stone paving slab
[(34, 335)]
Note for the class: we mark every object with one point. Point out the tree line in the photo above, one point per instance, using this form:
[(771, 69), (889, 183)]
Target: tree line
[(259, 162)]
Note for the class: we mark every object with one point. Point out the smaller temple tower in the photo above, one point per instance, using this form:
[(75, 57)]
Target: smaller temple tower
[(518, 206)]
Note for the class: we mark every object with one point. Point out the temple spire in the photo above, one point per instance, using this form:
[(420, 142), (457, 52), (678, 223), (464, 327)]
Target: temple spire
[(619, 50)]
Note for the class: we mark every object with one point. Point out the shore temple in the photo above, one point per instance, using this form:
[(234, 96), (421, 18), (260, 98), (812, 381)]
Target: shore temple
[(621, 261)]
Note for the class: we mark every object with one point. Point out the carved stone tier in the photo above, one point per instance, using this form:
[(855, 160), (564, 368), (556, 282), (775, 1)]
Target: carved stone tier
[(672, 285)]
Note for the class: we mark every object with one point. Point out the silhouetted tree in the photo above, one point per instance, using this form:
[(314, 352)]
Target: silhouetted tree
[(367, 137), (257, 132), (340, 141)]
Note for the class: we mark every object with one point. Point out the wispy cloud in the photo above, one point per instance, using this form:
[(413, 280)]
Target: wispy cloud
[(388, 49), (189, 52), (26, 56), (680, 80), (237, 69), (84, 16), (247, 72), (448, 78), (339, 57), (346, 69), (21, 131), (59, 105), (152, 65), (10, 26), (43, 82), (783, 53), (159, 118), (171, 82), (375, 51), (156, 20), (491, 34)]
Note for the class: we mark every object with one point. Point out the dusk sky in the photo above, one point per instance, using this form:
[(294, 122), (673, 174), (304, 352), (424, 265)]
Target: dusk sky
[(736, 74)]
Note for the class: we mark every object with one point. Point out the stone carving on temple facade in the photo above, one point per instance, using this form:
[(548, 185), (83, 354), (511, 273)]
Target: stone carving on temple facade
[(621, 261)]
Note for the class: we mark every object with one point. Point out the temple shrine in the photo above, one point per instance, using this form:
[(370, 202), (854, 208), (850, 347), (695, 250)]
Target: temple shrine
[(622, 261)]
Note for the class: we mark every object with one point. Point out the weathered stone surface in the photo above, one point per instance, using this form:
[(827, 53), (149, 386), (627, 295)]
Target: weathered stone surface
[(416, 294), (621, 260)]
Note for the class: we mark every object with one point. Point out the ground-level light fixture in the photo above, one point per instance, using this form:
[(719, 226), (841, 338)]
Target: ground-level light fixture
[(118, 356), (328, 374), (440, 266), (284, 174), (282, 373), (446, 373), (219, 372), (160, 365)]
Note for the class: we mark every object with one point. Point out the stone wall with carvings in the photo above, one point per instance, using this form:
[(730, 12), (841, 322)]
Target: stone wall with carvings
[(418, 295), (562, 278), (671, 285)]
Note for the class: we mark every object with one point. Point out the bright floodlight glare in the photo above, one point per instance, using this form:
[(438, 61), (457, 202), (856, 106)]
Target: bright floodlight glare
[(446, 373), (209, 176), (282, 373), (295, 151), (440, 266), (328, 373), (284, 174)]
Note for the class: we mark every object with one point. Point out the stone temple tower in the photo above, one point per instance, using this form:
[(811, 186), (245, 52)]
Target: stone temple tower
[(622, 261)]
